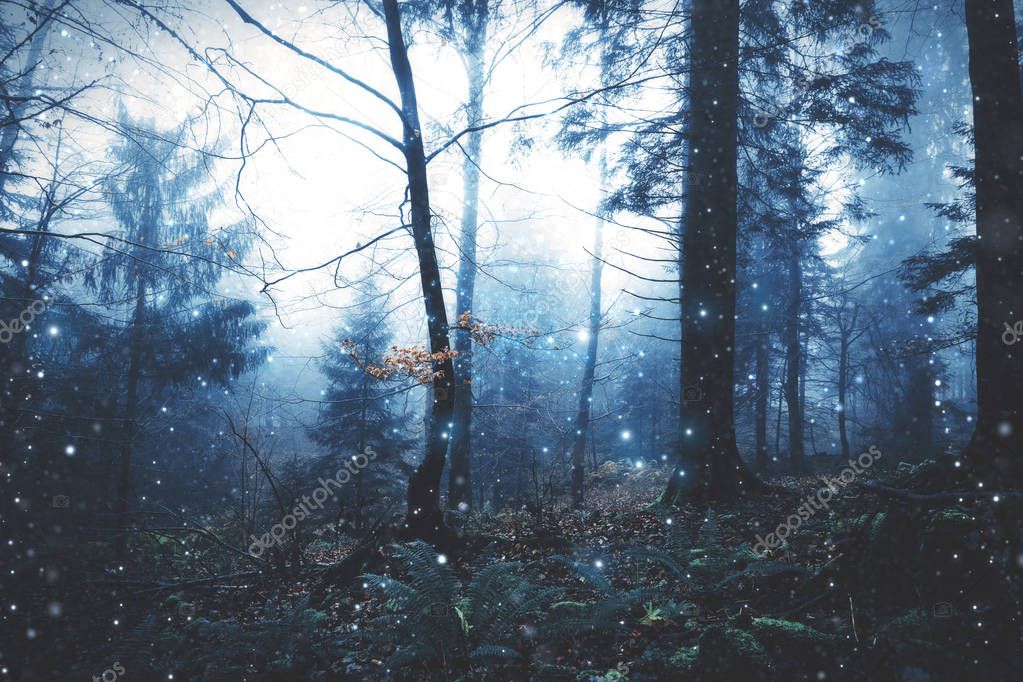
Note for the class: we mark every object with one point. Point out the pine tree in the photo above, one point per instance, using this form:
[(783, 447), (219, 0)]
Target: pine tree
[(165, 261), (358, 411)]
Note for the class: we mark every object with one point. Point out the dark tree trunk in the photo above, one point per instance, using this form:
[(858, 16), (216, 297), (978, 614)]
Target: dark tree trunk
[(360, 483), (919, 408), (997, 443), (582, 418), (777, 419), (423, 519), (762, 378), (128, 431), (843, 387), (460, 471), (793, 360), (709, 464)]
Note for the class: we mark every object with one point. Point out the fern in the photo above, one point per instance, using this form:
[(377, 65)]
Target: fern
[(667, 559), (613, 612), (588, 573), (710, 533), (436, 621), (286, 641)]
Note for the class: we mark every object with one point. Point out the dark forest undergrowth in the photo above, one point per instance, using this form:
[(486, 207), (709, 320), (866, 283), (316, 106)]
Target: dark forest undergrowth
[(893, 579)]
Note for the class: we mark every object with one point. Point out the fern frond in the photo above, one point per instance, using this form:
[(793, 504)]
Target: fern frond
[(590, 574), (493, 651)]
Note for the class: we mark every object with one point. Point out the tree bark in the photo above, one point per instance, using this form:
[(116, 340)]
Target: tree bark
[(997, 442), (843, 382), (582, 417), (709, 464), (793, 357), (423, 519), (460, 471), (762, 377), (129, 427)]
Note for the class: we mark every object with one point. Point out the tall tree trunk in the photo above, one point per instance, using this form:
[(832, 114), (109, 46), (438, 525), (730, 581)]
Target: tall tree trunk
[(582, 417), (917, 406), (762, 377), (423, 519), (843, 387), (777, 419), (793, 359), (997, 443), (129, 426), (360, 447), (460, 471), (708, 455)]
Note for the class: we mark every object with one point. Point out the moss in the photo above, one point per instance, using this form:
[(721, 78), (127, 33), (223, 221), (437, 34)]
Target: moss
[(772, 630), (910, 624), (684, 660), (949, 531), (878, 529), (598, 676), (727, 653), (792, 642), (950, 520), (555, 672), (709, 567), (915, 639)]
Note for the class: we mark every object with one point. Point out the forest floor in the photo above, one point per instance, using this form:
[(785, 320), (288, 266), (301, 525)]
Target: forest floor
[(877, 585), (891, 580)]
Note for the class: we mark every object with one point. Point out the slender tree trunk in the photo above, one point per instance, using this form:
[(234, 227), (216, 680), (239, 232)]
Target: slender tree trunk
[(708, 456), (777, 419), (793, 358), (525, 446), (243, 486), (763, 391), (843, 383), (593, 449), (762, 373), (460, 471), (918, 405), (582, 418), (997, 443), (423, 519), (360, 483), (129, 426)]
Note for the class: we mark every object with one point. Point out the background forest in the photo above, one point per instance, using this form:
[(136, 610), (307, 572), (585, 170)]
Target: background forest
[(510, 339)]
